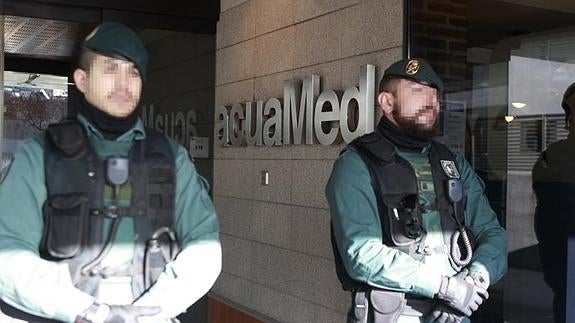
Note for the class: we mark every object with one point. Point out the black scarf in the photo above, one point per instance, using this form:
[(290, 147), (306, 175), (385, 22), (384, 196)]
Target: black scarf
[(400, 138), (111, 127)]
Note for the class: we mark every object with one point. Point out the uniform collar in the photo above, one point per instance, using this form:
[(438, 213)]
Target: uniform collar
[(136, 133), (401, 139)]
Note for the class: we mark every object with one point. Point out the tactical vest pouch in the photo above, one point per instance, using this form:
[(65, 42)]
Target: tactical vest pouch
[(161, 249), (65, 222), (404, 223), (387, 305)]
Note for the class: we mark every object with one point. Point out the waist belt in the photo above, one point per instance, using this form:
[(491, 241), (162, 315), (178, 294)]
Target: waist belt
[(106, 272), (417, 297), (382, 300), (418, 306)]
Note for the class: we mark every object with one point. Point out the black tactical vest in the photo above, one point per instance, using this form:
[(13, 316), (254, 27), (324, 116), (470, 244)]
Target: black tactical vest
[(395, 186), (74, 211)]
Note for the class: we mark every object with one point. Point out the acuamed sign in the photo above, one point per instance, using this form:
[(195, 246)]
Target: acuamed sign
[(306, 116)]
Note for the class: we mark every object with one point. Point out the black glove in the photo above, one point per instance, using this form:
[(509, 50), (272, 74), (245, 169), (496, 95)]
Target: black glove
[(460, 294), (441, 313), (130, 313)]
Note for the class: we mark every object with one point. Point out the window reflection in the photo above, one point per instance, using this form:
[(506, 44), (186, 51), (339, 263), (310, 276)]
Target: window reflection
[(506, 66), (31, 102)]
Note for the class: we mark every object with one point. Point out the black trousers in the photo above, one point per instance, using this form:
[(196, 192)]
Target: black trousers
[(559, 302)]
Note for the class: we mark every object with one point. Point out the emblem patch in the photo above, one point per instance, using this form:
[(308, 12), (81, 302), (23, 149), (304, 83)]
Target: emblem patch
[(412, 67), (450, 169)]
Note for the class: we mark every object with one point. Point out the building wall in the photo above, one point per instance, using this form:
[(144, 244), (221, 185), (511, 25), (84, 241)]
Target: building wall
[(180, 88), (439, 32), (278, 263)]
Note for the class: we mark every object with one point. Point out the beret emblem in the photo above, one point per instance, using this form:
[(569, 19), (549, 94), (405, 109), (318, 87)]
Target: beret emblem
[(412, 67)]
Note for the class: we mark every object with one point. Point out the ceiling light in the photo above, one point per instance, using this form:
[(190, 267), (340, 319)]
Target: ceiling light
[(509, 118), (519, 105)]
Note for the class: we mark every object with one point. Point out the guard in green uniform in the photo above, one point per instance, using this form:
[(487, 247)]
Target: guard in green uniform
[(104, 220), (414, 237)]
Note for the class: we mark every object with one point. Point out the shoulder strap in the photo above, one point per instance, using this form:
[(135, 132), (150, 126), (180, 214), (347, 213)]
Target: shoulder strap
[(153, 200), (153, 164), (376, 145), (70, 163), (69, 138)]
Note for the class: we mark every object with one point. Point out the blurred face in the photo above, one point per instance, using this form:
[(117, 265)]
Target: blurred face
[(413, 107), (112, 85)]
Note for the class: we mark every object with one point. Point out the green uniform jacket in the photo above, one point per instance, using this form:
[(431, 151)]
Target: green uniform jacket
[(358, 233), (44, 288)]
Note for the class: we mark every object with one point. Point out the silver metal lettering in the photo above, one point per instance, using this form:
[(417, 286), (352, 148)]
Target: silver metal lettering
[(172, 117), (311, 88), (294, 114), (191, 119), (159, 123), (221, 128), (292, 94), (180, 124), (166, 126), (148, 116), (365, 98), (234, 125), (253, 121), (328, 118), (272, 129), (304, 114)]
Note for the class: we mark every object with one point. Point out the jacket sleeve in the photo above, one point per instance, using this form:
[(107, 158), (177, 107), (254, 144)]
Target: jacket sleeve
[(27, 282), (359, 237), (490, 255), (197, 266)]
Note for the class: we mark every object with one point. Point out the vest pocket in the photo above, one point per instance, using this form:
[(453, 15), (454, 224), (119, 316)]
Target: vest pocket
[(65, 221), (402, 222), (387, 305)]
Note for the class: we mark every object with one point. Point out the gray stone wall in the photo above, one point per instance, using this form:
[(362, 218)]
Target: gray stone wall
[(278, 263), (179, 91)]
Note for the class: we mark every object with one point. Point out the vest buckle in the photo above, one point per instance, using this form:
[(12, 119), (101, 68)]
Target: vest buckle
[(112, 211), (104, 272), (424, 250)]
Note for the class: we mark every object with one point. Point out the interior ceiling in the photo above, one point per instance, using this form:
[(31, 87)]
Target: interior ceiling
[(490, 21), (57, 39), (41, 38), (557, 5), (34, 80)]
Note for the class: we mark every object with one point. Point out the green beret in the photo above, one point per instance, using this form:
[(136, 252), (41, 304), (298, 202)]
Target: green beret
[(116, 40), (415, 69)]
